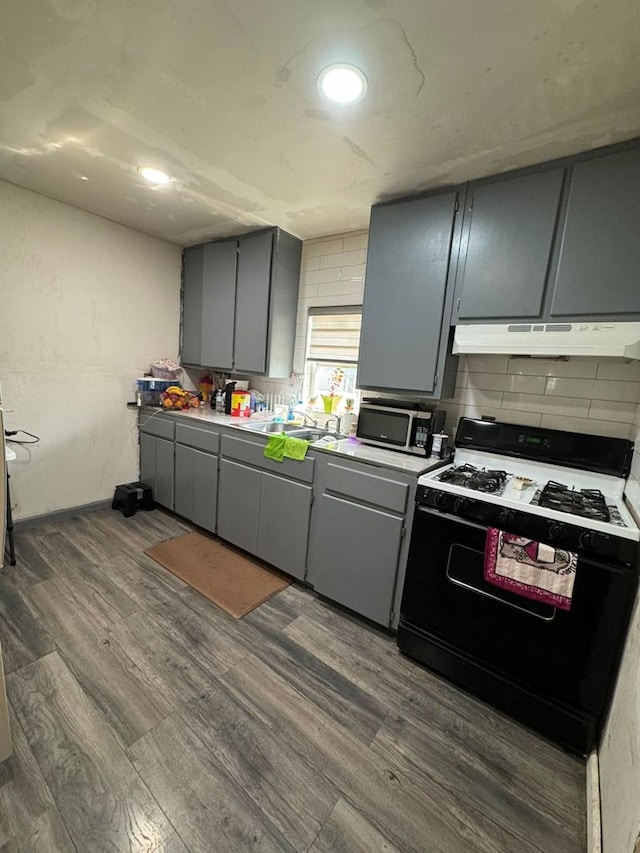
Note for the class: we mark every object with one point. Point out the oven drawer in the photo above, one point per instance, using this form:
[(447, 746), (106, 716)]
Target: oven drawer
[(569, 655)]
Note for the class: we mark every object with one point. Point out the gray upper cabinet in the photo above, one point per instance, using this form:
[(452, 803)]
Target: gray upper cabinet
[(405, 314), (252, 303), (240, 299), (506, 246), (192, 278), (598, 271), (218, 309)]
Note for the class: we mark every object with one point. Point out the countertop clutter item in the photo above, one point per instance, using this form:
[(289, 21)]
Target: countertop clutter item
[(205, 386), (149, 390), (398, 425), (166, 369), (240, 404), (176, 397), (550, 668), (228, 392)]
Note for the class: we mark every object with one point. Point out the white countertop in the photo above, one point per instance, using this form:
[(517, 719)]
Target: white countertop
[(9, 454), (348, 447)]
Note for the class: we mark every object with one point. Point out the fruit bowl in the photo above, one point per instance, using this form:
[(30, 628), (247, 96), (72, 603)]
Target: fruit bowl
[(177, 398)]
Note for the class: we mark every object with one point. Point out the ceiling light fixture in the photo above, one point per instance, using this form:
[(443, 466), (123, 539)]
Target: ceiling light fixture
[(342, 84), (153, 175), (84, 178)]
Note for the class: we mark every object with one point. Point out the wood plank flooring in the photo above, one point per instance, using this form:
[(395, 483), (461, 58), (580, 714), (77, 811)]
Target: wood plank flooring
[(146, 719)]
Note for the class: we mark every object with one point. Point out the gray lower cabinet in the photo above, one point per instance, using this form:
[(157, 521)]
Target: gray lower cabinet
[(196, 486), (157, 456), (598, 271), (156, 467), (407, 302), (353, 556), (265, 514), (283, 530), (239, 505), (357, 543)]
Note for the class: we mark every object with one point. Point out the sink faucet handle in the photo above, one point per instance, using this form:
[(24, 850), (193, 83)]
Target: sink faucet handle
[(313, 423)]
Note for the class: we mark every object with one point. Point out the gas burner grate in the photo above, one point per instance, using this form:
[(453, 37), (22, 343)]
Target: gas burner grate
[(588, 503), (478, 479)]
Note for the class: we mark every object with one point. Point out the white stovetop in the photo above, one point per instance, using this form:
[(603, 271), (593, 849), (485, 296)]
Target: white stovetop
[(611, 487)]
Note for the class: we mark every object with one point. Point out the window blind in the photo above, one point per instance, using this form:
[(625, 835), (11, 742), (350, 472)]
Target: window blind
[(334, 337)]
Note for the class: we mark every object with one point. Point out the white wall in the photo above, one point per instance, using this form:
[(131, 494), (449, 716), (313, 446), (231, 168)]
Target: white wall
[(85, 306), (619, 753)]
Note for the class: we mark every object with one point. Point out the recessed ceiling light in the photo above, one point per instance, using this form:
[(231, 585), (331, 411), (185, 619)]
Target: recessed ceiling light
[(342, 84), (154, 176), (84, 178)]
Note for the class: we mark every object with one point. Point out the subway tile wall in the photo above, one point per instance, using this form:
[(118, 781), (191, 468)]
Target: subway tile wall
[(582, 394), (332, 274)]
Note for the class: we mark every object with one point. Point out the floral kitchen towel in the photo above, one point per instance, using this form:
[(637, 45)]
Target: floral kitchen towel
[(528, 568)]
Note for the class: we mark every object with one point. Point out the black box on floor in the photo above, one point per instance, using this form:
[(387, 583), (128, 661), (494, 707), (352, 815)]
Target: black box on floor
[(132, 496)]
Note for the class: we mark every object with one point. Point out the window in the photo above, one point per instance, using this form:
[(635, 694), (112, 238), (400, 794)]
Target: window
[(333, 340)]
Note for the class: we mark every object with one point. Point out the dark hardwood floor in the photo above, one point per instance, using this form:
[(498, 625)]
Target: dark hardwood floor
[(146, 719)]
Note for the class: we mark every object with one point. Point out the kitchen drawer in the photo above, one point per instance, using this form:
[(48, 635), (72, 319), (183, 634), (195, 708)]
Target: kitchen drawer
[(201, 439), (252, 453), (367, 488), (160, 427)]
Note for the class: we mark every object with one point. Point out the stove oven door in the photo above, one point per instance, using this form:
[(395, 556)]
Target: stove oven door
[(567, 656)]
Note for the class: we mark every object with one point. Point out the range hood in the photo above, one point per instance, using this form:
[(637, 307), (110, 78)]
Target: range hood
[(550, 339)]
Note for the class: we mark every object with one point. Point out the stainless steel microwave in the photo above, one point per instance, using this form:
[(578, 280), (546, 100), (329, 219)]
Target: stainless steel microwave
[(399, 427)]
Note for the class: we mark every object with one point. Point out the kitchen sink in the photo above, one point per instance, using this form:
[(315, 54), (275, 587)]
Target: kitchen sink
[(311, 434), (274, 426)]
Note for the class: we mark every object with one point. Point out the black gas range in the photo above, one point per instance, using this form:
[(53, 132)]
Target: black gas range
[(552, 669)]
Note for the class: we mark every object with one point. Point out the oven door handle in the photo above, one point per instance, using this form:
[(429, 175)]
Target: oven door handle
[(450, 517), (470, 587), (486, 594)]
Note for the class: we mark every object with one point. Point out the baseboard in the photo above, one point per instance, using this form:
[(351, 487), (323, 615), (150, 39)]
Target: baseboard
[(60, 514), (594, 817)]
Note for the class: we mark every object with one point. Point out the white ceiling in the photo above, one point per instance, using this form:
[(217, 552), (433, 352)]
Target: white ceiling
[(223, 96)]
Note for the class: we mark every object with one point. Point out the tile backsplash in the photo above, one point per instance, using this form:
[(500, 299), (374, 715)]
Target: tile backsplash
[(579, 394), (332, 275), (582, 394)]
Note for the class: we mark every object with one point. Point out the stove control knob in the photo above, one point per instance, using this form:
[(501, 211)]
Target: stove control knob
[(460, 504), (555, 531), (439, 498), (591, 540), (506, 517)]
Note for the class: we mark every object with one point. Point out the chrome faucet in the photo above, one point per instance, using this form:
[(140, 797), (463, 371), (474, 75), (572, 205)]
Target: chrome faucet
[(306, 417), (337, 419)]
